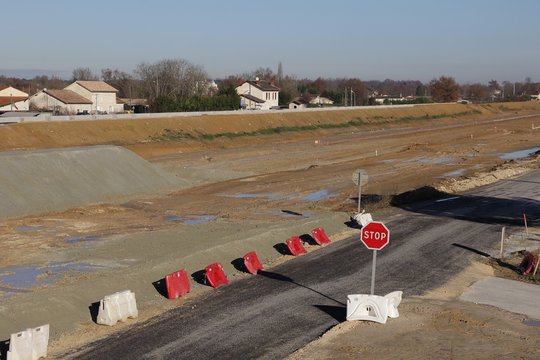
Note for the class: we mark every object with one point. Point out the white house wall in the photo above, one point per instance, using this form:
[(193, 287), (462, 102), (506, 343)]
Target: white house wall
[(43, 101), (11, 91), (102, 101), (271, 98)]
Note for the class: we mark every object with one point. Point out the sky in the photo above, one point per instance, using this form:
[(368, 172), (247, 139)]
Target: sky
[(470, 40)]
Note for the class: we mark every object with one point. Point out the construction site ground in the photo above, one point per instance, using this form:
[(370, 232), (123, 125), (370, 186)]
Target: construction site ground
[(247, 181)]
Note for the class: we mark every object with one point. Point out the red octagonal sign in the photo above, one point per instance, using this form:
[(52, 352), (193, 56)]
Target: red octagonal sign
[(375, 235)]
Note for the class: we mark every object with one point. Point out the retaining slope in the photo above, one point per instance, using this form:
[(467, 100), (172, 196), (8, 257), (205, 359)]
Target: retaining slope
[(33, 182)]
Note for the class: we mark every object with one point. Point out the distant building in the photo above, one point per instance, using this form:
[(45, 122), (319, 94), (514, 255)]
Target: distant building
[(320, 100), (298, 103), (101, 94), (134, 105), (80, 97), (258, 95), (12, 99), (63, 102)]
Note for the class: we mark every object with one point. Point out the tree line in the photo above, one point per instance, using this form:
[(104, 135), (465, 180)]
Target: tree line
[(179, 85)]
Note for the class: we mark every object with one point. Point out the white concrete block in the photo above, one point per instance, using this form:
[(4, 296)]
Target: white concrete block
[(367, 307), (30, 344), (117, 307)]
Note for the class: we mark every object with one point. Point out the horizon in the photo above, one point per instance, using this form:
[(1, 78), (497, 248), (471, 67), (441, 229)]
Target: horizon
[(418, 40)]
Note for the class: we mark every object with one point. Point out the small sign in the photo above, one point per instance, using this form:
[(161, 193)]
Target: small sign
[(360, 173)]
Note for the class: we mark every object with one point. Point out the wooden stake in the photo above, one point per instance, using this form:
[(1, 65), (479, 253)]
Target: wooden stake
[(502, 242)]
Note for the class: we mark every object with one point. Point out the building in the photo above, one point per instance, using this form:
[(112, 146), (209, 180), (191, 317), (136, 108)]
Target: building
[(320, 100), (12, 99), (298, 103), (258, 95), (101, 94), (61, 102)]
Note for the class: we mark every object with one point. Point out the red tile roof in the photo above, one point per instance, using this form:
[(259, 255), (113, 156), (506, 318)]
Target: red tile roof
[(67, 96), (6, 100), (263, 85), (252, 98), (96, 86)]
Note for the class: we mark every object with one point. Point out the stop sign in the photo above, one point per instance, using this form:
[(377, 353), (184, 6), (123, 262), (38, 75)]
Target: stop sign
[(375, 235)]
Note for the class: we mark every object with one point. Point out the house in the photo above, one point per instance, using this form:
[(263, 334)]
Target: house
[(258, 95), (298, 103), (134, 105), (101, 94), (65, 102), (388, 99), (320, 100), (12, 99)]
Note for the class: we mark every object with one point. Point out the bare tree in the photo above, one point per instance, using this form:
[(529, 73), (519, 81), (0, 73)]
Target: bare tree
[(125, 84), (81, 73), (172, 77)]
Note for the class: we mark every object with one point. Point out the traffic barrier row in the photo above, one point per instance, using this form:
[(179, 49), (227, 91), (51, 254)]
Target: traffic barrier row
[(373, 307), (30, 344)]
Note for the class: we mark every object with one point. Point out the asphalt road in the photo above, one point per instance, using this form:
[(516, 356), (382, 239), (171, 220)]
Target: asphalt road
[(271, 315)]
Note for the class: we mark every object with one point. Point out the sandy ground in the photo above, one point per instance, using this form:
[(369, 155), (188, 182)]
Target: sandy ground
[(434, 326), (238, 186)]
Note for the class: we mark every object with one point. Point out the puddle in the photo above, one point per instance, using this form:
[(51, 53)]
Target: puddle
[(77, 238), (253, 196), (25, 277), (444, 160), (519, 154), (453, 173), (535, 323), (191, 219), (317, 196), (30, 228)]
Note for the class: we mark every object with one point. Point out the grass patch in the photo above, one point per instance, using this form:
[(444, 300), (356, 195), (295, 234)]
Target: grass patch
[(173, 135)]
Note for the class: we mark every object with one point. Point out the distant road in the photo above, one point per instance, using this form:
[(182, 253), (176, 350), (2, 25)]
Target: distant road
[(271, 315)]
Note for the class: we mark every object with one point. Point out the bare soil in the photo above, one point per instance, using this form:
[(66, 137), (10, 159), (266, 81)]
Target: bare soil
[(237, 178)]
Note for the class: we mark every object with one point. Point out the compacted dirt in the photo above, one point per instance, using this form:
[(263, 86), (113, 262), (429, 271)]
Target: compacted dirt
[(300, 165)]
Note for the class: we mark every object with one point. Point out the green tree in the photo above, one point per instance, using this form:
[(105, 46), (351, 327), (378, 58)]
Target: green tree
[(444, 89)]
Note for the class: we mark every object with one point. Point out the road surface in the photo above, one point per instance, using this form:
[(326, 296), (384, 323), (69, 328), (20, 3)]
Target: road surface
[(271, 315)]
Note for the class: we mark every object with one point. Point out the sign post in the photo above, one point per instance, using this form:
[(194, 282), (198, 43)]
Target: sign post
[(375, 236), (360, 177)]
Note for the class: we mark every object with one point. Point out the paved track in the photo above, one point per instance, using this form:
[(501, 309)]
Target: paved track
[(273, 314)]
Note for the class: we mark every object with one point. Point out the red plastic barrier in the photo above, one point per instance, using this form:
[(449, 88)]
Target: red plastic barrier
[(295, 246), (320, 236), (215, 275), (527, 264), (177, 284), (252, 263)]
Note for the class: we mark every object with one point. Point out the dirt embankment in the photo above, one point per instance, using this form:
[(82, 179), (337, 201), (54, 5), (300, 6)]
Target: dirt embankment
[(192, 129)]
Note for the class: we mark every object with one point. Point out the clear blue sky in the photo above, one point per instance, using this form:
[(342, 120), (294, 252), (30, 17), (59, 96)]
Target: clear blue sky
[(471, 40)]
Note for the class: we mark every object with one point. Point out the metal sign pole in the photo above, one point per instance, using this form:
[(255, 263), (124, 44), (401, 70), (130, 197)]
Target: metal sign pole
[(373, 272)]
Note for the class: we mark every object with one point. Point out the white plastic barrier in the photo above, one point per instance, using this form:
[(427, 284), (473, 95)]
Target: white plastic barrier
[(394, 299), (117, 307), (367, 307), (373, 307), (363, 218), (30, 344)]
